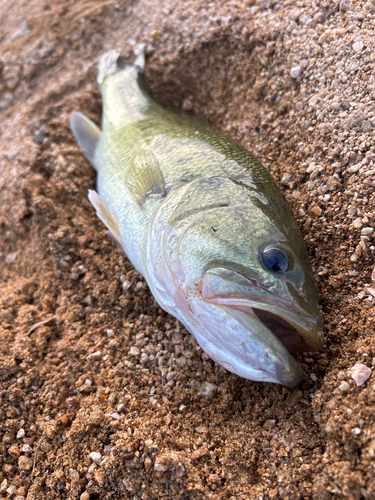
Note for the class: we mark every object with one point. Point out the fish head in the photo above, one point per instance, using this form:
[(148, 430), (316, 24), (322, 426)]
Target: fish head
[(237, 274)]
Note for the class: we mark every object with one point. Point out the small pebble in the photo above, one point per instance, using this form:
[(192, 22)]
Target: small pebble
[(95, 355), (287, 179), (207, 389), (356, 431), (177, 338), (21, 434), (126, 285), (121, 408), (40, 136), (14, 451), (171, 376), (366, 126), (344, 386), (12, 488), (115, 416), (134, 351), (269, 423), (96, 417), (357, 223), (200, 452), (25, 462), (144, 358), (95, 456), (360, 373), (295, 72), (345, 5), (201, 429), (140, 285), (316, 211), (160, 466), (181, 361), (358, 46)]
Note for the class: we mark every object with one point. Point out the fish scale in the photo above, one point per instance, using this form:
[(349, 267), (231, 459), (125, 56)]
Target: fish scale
[(206, 225)]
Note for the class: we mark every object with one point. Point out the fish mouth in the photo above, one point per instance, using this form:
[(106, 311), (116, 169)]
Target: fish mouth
[(289, 335), (282, 325)]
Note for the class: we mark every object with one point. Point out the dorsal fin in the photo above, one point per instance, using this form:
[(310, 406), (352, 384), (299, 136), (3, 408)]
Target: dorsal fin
[(145, 177), (87, 134), (106, 215)]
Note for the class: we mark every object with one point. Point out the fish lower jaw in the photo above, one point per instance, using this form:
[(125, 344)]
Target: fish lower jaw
[(290, 377), (285, 325)]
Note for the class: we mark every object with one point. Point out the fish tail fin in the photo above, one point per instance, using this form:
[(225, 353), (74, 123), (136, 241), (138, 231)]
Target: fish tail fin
[(111, 62), (87, 135)]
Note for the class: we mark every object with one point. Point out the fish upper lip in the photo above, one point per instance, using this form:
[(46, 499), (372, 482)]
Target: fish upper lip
[(267, 298)]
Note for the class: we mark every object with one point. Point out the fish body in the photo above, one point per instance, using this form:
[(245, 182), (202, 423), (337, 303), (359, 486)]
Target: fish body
[(206, 225)]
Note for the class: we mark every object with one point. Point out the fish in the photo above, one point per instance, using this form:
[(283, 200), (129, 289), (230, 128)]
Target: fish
[(203, 221)]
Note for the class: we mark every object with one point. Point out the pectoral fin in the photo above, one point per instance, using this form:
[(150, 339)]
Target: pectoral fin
[(87, 135), (145, 177), (106, 215)]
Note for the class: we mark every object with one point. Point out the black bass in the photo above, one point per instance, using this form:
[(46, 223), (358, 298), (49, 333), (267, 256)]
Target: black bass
[(206, 225)]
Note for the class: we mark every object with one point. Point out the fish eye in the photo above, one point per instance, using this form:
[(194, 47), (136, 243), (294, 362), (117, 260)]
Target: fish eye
[(275, 259)]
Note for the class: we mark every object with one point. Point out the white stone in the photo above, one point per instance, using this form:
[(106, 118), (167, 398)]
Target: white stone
[(360, 373), (344, 386), (115, 416), (21, 434), (95, 456), (295, 71), (357, 223), (134, 351), (358, 46)]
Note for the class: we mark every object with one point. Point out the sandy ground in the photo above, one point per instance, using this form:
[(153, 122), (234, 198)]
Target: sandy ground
[(103, 395)]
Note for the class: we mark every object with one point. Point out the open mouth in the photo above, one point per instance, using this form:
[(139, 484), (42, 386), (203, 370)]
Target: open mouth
[(296, 331), (286, 333)]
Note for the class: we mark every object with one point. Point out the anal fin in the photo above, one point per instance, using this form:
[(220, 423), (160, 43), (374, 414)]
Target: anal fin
[(106, 215), (145, 177), (86, 133)]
